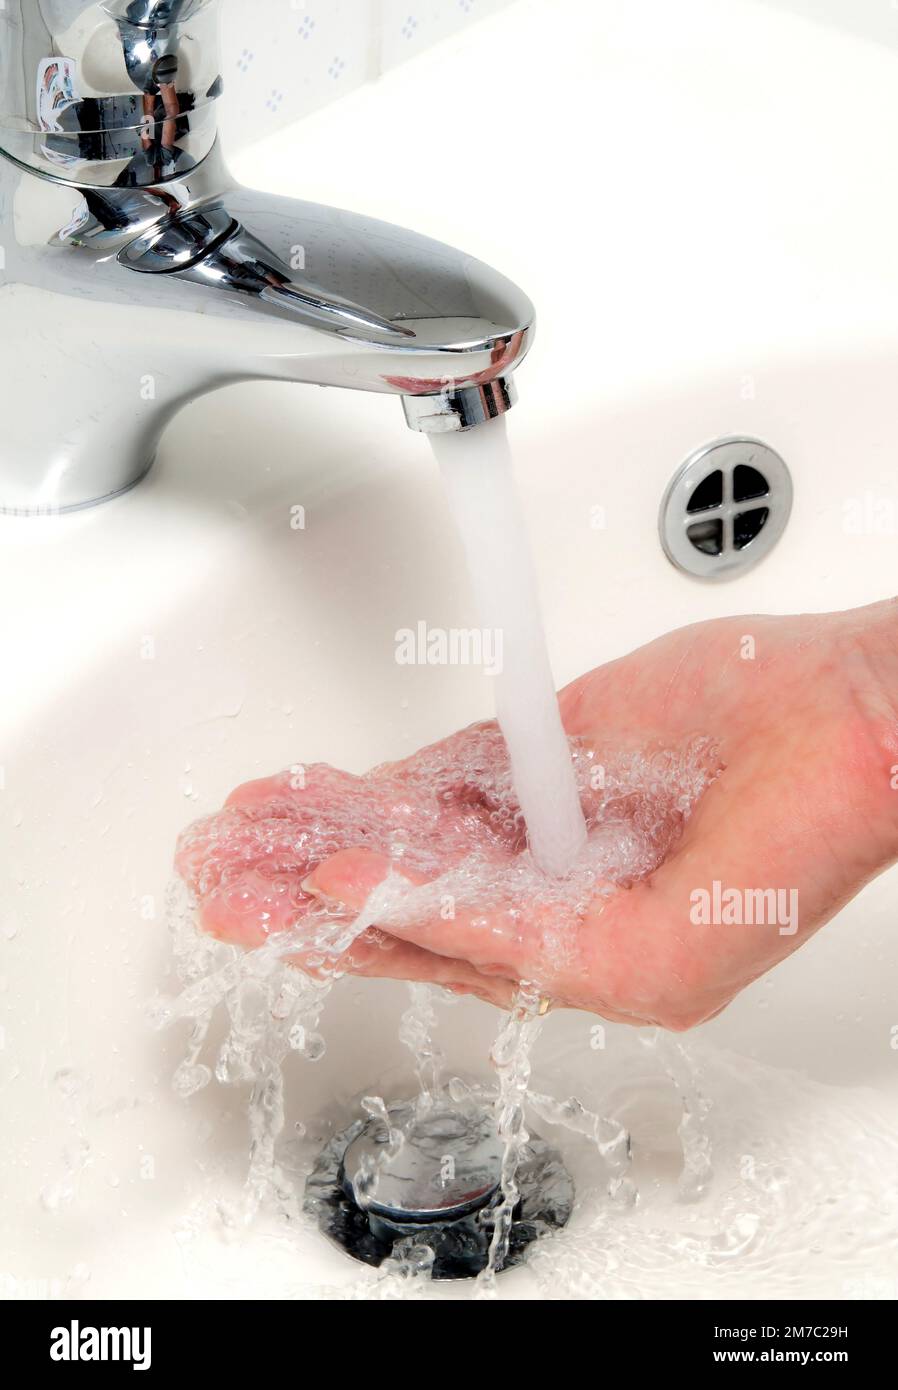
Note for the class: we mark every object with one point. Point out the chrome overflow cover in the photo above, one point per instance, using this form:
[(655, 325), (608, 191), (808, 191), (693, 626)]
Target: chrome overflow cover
[(725, 508)]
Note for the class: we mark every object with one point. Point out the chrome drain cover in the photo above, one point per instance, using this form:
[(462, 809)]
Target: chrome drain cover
[(725, 508), (448, 1165), (438, 1187)]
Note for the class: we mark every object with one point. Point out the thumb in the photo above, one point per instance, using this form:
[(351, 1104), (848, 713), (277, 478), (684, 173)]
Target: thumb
[(491, 937), (350, 876)]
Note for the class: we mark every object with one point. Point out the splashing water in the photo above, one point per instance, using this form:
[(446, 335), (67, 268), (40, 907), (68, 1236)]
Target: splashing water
[(448, 815), (479, 483), (511, 1056), (693, 1126), (803, 1203), (803, 1171)]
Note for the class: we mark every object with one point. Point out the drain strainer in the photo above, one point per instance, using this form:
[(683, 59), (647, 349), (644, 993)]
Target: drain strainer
[(725, 508), (439, 1186)]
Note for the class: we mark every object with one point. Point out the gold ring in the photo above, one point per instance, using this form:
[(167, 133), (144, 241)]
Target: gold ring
[(545, 1005)]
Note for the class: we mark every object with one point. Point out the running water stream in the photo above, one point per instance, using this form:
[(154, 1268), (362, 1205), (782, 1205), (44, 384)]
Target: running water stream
[(477, 474)]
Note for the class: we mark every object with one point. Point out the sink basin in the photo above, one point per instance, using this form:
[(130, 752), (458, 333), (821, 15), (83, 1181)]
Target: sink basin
[(702, 208)]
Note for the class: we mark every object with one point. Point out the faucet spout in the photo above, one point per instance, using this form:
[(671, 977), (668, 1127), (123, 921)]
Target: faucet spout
[(136, 275), (461, 408)]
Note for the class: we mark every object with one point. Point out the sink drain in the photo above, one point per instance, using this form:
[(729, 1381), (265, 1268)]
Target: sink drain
[(433, 1175), (725, 508)]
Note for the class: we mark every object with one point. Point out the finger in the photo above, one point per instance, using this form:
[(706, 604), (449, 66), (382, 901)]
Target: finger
[(248, 910), (235, 917), (301, 785), (565, 958), (235, 920), (377, 955), (498, 941)]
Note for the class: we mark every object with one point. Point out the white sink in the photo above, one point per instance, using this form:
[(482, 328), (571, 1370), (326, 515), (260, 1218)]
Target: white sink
[(700, 200)]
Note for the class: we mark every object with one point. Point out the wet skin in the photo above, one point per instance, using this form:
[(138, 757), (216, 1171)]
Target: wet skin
[(805, 717)]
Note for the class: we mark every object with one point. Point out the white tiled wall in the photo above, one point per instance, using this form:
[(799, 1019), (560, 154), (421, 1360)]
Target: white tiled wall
[(283, 58), (405, 27)]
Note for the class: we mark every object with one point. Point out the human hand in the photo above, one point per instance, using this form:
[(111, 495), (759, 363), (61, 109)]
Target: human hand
[(804, 713)]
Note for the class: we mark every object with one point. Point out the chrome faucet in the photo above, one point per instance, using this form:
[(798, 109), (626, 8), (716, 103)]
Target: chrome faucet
[(136, 275)]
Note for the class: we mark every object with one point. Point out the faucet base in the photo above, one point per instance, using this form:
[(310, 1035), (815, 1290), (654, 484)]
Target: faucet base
[(51, 508), (427, 1188)]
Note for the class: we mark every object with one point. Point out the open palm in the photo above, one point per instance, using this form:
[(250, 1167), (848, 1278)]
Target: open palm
[(804, 811)]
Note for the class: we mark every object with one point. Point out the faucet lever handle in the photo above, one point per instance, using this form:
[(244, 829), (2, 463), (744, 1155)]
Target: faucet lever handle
[(243, 264)]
